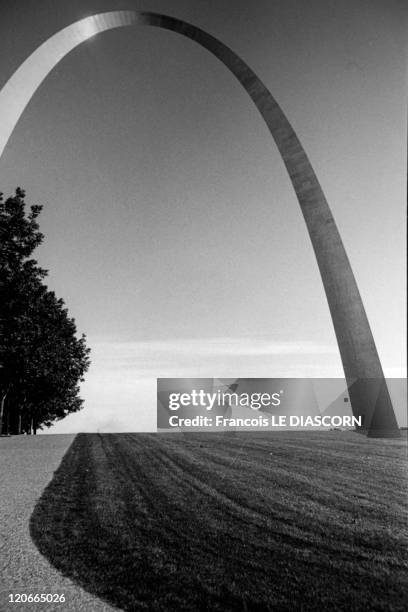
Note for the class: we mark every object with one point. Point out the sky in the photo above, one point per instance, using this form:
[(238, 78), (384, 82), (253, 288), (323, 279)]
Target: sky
[(171, 228)]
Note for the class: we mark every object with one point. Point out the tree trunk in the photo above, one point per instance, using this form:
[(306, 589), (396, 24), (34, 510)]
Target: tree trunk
[(3, 400)]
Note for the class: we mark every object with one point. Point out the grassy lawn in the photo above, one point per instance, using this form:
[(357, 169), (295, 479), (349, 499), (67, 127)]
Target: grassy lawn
[(278, 521)]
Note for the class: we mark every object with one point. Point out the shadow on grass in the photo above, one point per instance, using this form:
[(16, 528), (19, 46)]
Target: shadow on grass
[(118, 554), (148, 523)]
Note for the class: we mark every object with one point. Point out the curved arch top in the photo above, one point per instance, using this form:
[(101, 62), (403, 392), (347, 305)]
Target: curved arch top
[(367, 388)]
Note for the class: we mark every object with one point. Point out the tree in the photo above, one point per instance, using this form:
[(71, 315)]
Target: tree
[(42, 361)]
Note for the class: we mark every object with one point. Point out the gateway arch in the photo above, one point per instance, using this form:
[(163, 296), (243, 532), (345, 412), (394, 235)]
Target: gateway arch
[(368, 391)]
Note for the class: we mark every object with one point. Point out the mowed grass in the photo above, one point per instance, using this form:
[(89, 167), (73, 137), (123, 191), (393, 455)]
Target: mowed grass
[(278, 521)]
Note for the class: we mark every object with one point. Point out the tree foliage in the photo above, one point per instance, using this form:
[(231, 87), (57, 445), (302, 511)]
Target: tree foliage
[(42, 361)]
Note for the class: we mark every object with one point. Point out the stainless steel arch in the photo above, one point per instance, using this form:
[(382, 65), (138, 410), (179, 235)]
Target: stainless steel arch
[(368, 391)]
